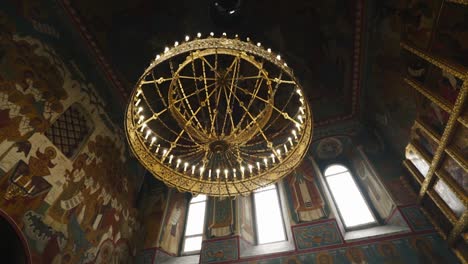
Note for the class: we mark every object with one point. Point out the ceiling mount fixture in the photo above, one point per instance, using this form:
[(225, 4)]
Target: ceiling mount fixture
[(218, 116)]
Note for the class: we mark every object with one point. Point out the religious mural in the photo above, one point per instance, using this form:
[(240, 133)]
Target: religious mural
[(152, 205), (451, 36), (374, 188), (174, 222), (71, 208), (416, 218), (305, 200), (214, 251), (222, 220), (317, 235), (419, 249)]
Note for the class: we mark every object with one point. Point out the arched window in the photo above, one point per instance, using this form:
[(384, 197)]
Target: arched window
[(268, 215), (195, 225), (348, 198)]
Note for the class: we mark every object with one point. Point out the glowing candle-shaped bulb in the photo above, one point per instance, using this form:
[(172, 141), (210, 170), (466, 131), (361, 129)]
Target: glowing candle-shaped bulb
[(279, 152), (285, 148), (224, 34), (138, 102), (170, 158), (187, 38), (290, 141), (265, 161), (299, 92), (148, 133), (278, 57), (166, 49), (193, 169), (157, 149), (298, 126), (301, 109), (269, 50), (294, 134), (153, 139), (198, 35), (142, 117), (139, 91), (300, 118), (185, 166), (143, 127), (258, 166), (139, 109), (178, 163), (234, 173), (259, 44), (250, 168), (209, 174), (273, 160), (176, 43), (225, 173), (217, 173), (211, 34), (201, 171), (158, 56), (164, 152)]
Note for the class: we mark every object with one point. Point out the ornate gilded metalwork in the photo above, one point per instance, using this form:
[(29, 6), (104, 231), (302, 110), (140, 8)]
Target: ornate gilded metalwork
[(461, 2), (458, 228), (455, 71), (448, 131), (218, 116)]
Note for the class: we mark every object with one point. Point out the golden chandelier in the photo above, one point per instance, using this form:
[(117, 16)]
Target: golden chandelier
[(218, 116)]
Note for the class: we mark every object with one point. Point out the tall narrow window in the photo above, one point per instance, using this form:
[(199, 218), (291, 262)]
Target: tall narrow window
[(351, 204), (195, 224), (269, 220)]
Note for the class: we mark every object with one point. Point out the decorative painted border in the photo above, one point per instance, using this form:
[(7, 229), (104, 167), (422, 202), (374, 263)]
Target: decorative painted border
[(236, 242), (91, 43), (315, 224), (358, 53)]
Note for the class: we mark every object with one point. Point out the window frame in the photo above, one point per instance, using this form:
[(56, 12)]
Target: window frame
[(369, 205), (184, 237), (255, 217)]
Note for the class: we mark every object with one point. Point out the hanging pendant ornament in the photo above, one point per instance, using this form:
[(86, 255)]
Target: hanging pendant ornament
[(216, 106)]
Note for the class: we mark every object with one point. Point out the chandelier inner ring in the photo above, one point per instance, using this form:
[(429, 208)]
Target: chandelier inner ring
[(224, 90)]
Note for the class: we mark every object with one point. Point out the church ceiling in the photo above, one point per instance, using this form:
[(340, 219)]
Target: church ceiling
[(319, 39)]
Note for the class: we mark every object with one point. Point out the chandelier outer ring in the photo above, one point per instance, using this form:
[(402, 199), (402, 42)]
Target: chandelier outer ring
[(217, 188)]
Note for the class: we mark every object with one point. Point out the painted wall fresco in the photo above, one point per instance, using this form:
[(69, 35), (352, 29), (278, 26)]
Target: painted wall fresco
[(71, 210), (153, 203), (451, 37), (305, 200), (372, 184), (416, 218), (174, 222), (421, 249), (214, 251), (317, 235), (222, 221)]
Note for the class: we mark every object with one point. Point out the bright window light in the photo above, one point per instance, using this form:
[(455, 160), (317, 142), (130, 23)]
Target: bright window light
[(195, 223), (348, 198), (269, 220)]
